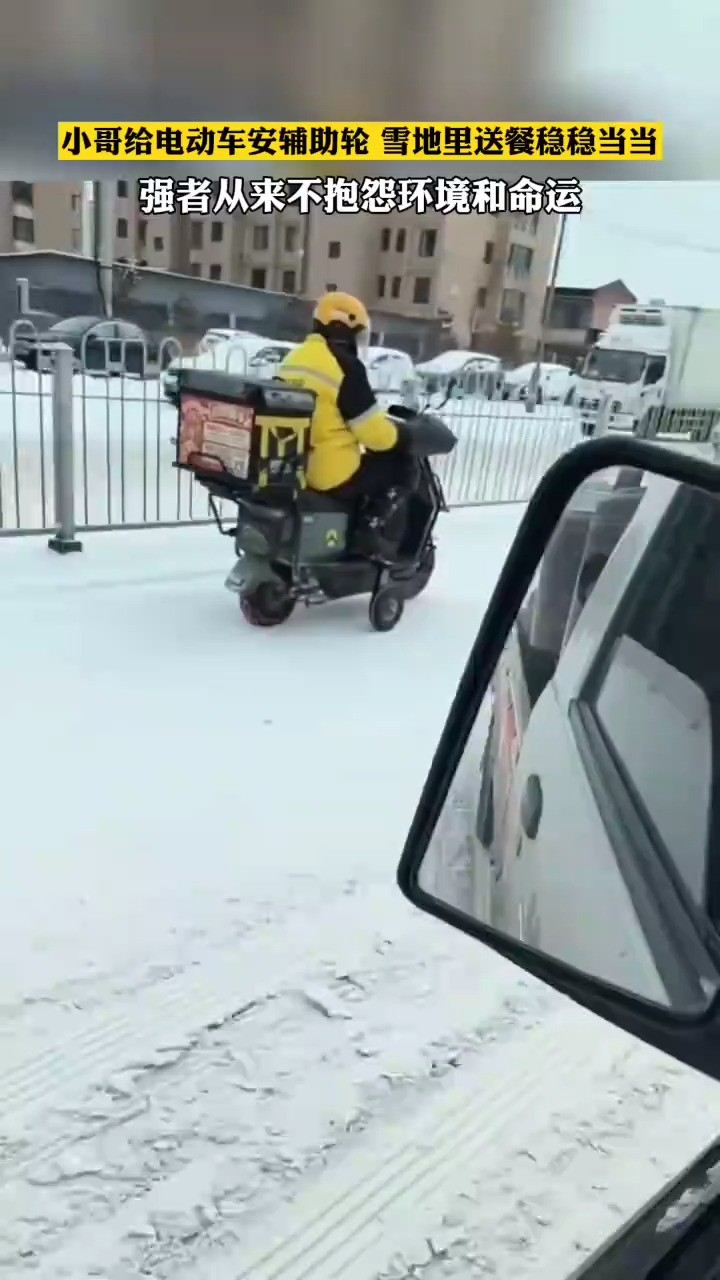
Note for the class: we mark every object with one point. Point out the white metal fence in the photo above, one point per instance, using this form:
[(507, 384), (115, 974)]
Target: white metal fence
[(105, 437)]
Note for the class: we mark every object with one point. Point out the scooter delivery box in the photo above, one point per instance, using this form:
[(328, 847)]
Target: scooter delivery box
[(241, 433)]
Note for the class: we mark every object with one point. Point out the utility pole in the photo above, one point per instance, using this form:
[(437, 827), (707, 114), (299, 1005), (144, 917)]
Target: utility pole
[(534, 381), (550, 293), (104, 249), (87, 220)]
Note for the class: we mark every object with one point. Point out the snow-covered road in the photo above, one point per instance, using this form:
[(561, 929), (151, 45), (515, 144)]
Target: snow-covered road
[(227, 1047)]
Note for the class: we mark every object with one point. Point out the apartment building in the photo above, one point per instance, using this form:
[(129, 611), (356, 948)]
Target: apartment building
[(477, 272), (578, 316), (47, 215)]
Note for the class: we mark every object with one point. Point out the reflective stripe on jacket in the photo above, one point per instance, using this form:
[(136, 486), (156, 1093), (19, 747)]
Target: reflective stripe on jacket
[(347, 417)]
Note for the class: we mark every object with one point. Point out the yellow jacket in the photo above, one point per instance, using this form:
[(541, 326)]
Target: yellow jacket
[(347, 418)]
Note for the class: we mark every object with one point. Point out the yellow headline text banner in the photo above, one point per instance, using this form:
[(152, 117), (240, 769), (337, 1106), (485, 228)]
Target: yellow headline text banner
[(373, 140)]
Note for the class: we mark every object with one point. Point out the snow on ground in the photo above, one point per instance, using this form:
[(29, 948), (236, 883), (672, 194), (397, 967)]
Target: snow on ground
[(228, 1048), (123, 430)]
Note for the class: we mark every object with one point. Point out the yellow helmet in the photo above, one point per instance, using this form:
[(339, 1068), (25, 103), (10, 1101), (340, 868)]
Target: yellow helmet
[(336, 311)]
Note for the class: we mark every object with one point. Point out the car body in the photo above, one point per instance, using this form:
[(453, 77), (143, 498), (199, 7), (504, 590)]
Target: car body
[(389, 367), (258, 357), (212, 337), (99, 346), (572, 678), (554, 384), (457, 374)]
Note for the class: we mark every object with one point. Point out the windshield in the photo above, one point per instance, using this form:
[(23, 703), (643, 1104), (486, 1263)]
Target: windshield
[(74, 325), (605, 365)]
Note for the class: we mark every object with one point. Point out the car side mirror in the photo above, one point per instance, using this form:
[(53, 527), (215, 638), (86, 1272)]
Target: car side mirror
[(571, 816)]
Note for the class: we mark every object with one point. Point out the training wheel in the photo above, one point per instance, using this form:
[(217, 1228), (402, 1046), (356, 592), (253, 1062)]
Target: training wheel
[(386, 609)]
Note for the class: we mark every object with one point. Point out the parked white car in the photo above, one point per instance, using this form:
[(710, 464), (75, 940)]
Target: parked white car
[(459, 374), (555, 383), (388, 368), (212, 337), (247, 354)]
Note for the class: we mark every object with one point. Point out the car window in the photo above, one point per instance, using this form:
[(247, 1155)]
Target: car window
[(269, 354), (73, 324), (655, 694), (103, 332)]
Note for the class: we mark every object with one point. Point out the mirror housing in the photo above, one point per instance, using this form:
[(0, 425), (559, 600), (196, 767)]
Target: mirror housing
[(691, 1036)]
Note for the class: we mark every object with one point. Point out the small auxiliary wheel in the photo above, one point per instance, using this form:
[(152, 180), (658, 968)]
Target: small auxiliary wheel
[(268, 605), (386, 609)]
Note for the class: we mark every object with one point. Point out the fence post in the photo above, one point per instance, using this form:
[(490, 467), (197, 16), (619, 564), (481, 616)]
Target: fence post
[(64, 539), (715, 442)]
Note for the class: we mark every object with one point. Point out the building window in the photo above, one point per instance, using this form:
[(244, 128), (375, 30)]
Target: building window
[(512, 307), (75, 238), (23, 230), (489, 251), (142, 231), (385, 239), (534, 220), (290, 239), (261, 241), (570, 313), (258, 275), (121, 228), (396, 286), (288, 280), (330, 288), (196, 235), (216, 232), (158, 244), (22, 192), (400, 240), (421, 289), (334, 249), (520, 259), (428, 244), (122, 189), (75, 202), (481, 298), (195, 269), (216, 271), (381, 286)]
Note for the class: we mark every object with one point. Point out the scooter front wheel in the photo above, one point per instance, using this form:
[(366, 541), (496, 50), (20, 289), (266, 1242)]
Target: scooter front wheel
[(268, 605)]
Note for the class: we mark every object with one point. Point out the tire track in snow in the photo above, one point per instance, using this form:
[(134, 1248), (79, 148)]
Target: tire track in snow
[(164, 1014), (150, 1216), (577, 1179), (382, 1213), (340, 1073)]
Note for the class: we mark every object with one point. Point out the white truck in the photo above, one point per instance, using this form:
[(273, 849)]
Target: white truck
[(604, 702), (653, 358)]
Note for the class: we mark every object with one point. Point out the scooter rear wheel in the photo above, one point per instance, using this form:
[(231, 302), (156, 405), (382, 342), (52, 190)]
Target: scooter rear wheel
[(268, 605)]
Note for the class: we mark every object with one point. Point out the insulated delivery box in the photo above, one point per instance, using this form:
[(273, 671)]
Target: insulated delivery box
[(241, 433)]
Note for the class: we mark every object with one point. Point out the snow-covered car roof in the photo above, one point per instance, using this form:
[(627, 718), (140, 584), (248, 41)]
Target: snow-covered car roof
[(379, 355), (449, 362), (230, 333), (523, 371), (247, 349)]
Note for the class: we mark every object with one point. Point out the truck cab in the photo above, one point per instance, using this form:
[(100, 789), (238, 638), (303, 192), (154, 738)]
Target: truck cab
[(628, 363)]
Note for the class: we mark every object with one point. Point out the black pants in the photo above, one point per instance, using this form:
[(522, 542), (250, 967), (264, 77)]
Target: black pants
[(385, 480), (376, 475)]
